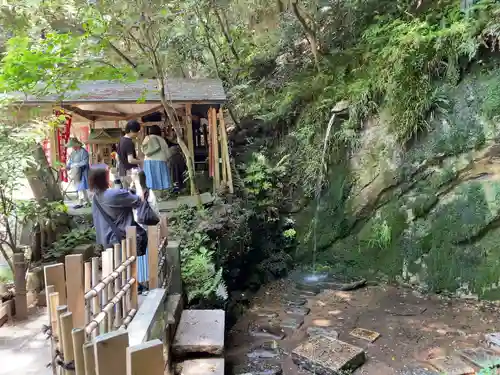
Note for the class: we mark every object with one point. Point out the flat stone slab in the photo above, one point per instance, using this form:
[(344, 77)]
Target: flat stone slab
[(481, 357), (266, 314), (416, 370), (258, 368), (309, 293), (266, 331), (292, 323), (327, 356), (451, 366), (208, 366), (322, 331), (301, 311), (493, 340), (365, 334), (295, 301), (200, 331)]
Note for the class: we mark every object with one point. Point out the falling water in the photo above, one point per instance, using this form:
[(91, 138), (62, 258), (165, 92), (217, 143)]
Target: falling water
[(319, 185)]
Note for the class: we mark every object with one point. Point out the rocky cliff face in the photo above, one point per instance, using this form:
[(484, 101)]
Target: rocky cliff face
[(428, 213)]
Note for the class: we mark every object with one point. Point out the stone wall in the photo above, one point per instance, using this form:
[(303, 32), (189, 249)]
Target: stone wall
[(427, 213)]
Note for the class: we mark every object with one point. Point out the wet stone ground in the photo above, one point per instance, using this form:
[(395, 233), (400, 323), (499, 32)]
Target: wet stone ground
[(298, 328)]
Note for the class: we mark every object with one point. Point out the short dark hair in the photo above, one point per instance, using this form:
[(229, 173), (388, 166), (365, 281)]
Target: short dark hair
[(98, 179), (132, 126), (155, 130)]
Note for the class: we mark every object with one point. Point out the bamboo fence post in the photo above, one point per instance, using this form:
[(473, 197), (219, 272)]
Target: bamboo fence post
[(125, 306), (111, 286), (210, 146), (110, 353), (54, 275), (67, 340), (222, 146), (59, 311), (20, 285), (153, 242), (75, 288), (52, 303), (163, 226), (225, 152), (116, 264), (96, 303), (104, 293), (89, 358), (88, 276), (78, 336), (132, 251), (147, 355)]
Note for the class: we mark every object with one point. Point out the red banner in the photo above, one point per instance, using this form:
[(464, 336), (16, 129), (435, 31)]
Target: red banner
[(62, 137)]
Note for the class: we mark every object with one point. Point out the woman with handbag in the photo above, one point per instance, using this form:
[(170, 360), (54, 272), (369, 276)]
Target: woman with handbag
[(146, 214), (112, 212)]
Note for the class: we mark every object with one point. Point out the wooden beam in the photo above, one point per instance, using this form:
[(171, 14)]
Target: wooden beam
[(144, 113), (215, 146), (146, 356), (75, 288), (78, 111), (54, 275)]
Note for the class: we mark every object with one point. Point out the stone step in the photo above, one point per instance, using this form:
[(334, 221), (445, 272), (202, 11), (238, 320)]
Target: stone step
[(481, 357), (199, 332), (327, 356), (451, 365), (258, 368), (202, 366)]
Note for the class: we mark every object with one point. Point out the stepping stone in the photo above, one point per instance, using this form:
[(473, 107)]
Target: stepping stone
[(322, 331), (266, 331), (266, 314), (365, 334), (200, 331), (451, 366), (292, 323), (416, 370), (212, 366), (482, 358), (493, 340), (343, 286), (258, 368), (305, 289), (268, 349), (302, 311), (327, 356), (309, 293), (295, 302)]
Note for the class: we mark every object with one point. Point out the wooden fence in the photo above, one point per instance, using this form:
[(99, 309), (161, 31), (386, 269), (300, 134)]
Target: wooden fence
[(90, 308)]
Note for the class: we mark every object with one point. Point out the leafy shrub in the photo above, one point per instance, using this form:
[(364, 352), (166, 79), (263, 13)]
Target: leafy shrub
[(68, 241)]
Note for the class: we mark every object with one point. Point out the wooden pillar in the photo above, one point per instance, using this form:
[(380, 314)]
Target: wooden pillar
[(89, 358), (189, 128), (153, 243), (54, 275), (146, 356), (53, 146), (225, 150), (111, 353), (20, 284), (53, 303), (74, 288), (132, 251), (78, 336), (215, 147), (67, 340)]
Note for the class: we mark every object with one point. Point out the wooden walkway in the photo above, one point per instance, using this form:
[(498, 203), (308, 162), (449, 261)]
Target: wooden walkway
[(164, 206)]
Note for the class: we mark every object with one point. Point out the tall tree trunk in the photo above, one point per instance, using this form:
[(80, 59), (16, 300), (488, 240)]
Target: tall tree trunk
[(225, 32), (309, 30), (41, 178)]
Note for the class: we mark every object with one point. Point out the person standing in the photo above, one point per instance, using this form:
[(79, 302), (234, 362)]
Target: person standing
[(78, 166), (156, 153), (128, 162)]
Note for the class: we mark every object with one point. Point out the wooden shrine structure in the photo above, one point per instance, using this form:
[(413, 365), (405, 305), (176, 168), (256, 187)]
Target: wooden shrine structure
[(197, 104)]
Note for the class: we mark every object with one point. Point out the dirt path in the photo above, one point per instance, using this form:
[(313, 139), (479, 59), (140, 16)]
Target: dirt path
[(412, 327)]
